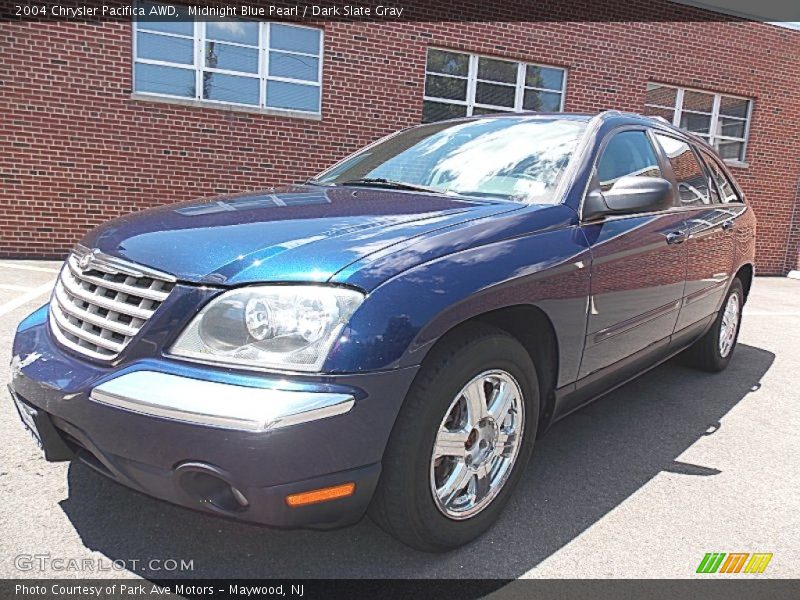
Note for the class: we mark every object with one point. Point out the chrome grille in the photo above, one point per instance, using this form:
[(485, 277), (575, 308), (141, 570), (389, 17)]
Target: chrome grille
[(100, 302)]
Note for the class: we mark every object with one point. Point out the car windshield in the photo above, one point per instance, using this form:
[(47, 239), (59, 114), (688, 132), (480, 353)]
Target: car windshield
[(516, 158)]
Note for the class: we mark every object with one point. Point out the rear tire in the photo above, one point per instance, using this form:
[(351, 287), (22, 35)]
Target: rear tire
[(455, 438), (714, 350)]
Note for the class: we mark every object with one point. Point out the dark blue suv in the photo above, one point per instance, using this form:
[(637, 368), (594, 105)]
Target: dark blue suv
[(391, 336)]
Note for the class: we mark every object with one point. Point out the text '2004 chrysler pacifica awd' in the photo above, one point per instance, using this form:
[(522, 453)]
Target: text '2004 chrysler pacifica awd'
[(391, 336)]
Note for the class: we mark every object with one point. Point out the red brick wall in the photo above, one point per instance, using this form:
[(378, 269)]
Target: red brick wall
[(78, 150)]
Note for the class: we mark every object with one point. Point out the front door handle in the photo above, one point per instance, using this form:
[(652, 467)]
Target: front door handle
[(676, 237), (728, 225)]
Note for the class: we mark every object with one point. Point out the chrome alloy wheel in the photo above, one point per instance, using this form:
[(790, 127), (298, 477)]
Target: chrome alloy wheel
[(729, 325), (477, 444)]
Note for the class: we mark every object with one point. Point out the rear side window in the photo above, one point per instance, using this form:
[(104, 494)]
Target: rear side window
[(628, 153), (726, 188), (693, 188)]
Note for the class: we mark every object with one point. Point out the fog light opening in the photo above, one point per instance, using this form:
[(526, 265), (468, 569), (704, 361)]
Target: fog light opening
[(321, 495), (208, 488)]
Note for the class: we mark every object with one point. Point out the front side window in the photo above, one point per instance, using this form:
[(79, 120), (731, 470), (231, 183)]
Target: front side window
[(515, 158), (240, 62), (693, 188), (722, 121), (627, 154), (460, 85)]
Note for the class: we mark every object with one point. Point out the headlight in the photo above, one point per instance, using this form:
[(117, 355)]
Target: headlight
[(278, 327)]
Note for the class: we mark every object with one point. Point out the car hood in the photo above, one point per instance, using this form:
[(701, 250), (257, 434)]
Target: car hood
[(298, 233)]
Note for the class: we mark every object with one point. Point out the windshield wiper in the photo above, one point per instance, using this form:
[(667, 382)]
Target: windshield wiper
[(392, 184)]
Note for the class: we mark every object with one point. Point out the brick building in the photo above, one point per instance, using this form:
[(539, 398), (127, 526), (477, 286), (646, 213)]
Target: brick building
[(105, 118)]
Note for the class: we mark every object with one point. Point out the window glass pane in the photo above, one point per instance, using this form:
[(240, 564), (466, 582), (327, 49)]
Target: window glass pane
[(733, 107), (166, 48), (724, 185), (698, 101), (730, 150), (241, 32), (231, 58), (497, 70), (439, 111), (696, 116), (667, 114), (449, 63), (281, 94), (544, 77), (294, 39), (691, 179), (496, 95), (731, 127), (451, 88), (696, 123), (661, 95), (230, 88), (541, 101), (294, 66), (164, 21), (164, 80), (629, 153)]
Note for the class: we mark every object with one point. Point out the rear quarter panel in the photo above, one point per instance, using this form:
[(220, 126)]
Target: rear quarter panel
[(744, 236)]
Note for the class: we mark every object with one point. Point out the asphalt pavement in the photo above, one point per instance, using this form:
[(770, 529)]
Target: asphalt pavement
[(640, 484)]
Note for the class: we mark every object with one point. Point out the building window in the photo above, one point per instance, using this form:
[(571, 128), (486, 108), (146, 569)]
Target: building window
[(723, 121), (238, 62), (459, 85)]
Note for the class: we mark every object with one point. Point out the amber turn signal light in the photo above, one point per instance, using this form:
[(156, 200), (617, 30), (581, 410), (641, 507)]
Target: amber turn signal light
[(321, 495)]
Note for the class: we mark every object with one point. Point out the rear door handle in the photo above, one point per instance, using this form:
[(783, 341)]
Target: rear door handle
[(676, 237), (728, 225)]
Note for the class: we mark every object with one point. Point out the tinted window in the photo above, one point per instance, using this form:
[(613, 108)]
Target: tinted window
[(629, 153), (691, 179), (726, 189)]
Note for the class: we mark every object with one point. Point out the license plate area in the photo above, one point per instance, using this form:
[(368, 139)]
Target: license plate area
[(27, 415), (41, 429)]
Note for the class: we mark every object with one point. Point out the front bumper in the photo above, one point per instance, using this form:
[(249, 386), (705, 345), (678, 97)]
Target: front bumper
[(213, 439)]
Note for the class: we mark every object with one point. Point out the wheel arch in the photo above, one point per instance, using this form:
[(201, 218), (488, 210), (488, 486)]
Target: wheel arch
[(531, 327), (745, 275)]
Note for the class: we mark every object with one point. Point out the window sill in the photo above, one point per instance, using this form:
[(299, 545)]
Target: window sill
[(736, 164), (190, 102)]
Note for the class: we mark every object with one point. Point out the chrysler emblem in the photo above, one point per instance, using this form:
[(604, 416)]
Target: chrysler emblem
[(86, 260)]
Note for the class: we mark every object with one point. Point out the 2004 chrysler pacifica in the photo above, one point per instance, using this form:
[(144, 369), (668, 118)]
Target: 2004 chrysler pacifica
[(391, 336)]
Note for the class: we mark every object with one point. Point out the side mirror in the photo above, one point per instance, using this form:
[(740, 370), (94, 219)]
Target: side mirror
[(628, 195)]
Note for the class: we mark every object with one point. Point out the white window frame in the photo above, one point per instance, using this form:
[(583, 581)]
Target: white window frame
[(713, 135), (199, 67), (472, 82)]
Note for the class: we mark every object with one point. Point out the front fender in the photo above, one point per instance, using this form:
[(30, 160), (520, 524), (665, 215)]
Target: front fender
[(402, 318)]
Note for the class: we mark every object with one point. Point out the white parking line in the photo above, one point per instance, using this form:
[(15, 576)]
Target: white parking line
[(764, 313), (15, 288), (28, 267), (25, 298)]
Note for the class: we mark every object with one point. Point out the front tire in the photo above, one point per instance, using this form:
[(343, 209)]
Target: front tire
[(714, 350), (461, 441)]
